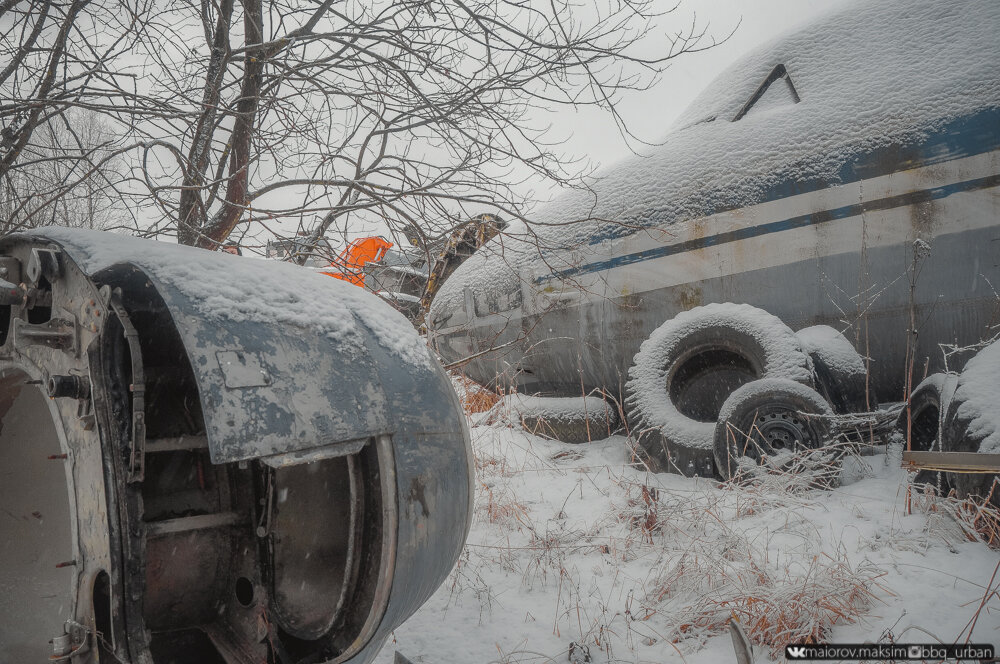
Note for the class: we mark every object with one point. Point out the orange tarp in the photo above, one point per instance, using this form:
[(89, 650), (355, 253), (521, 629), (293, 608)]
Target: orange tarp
[(349, 265)]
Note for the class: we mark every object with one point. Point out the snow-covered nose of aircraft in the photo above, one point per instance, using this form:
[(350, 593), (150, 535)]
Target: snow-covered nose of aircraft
[(485, 286), (232, 438)]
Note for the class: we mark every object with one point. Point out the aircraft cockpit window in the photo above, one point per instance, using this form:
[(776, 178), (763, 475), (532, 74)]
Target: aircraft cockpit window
[(497, 302), (450, 319), (771, 94), (514, 298), (485, 303), (452, 316), (441, 320)]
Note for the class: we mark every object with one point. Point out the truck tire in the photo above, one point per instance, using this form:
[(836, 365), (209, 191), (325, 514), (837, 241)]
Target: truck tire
[(686, 369), (839, 370), (927, 420), (573, 420), (974, 423), (767, 417)]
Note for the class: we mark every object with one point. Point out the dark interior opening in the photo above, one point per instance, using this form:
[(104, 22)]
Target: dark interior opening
[(102, 613), (5, 313), (703, 382), (180, 483), (313, 562), (172, 405), (244, 591), (359, 593), (41, 314), (924, 429), (186, 566), (184, 647)]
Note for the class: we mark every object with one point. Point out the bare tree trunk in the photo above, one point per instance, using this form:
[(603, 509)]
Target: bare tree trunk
[(47, 83), (192, 210), (22, 51), (241, 157), (403, 114)]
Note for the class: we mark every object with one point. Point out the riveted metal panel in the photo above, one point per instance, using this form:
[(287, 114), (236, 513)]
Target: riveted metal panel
[(266, 388)]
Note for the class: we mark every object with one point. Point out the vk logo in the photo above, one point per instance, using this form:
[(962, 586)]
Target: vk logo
[(795, 652)]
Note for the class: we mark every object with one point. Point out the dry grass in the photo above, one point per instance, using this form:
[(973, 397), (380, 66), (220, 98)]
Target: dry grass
[(474, 397), (978, 519), (715, 567), (790, 472), (778, 607), (488, 465), (660, 565), (499, 506)]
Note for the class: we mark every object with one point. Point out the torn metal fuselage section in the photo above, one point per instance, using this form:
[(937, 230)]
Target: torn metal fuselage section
[(209, 458)]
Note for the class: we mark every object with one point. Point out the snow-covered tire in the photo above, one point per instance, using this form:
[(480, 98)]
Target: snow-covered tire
[(974, 421), (926, 417), (769, 417), (567, 419), (686, 369), (839, 369)]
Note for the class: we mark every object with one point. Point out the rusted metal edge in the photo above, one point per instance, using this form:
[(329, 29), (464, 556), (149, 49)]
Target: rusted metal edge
[(189, 523), (176, 444), (137, 457), (953, 462), (387, 561)]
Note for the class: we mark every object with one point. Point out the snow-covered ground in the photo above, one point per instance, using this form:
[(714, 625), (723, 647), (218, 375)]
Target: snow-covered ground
[(571, 544)]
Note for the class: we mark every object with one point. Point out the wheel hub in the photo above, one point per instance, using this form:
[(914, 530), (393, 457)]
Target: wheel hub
[(779, 429)]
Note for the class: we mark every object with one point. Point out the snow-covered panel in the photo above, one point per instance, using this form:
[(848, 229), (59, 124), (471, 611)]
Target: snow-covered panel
[(978, 396), (238, 289), (871, 76), (286, 360)]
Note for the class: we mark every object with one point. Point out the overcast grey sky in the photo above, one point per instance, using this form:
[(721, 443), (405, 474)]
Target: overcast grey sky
[(650, 113), (591, 133)]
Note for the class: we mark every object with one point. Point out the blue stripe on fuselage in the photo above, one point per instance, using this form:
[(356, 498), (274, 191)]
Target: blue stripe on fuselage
[(962, 137), (812, 219)]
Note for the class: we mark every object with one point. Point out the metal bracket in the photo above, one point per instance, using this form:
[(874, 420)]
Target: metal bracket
[(43, 263), (74, 641), (242, 369), (137, 456), (58, 333)]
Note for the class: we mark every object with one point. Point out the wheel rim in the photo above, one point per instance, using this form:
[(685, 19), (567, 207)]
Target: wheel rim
[(773, 430), (700, 382)]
